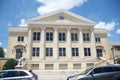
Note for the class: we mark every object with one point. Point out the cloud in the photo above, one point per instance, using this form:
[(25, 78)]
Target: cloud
[(107, 26), (53, 5), (109, 35), (5, 50), (118, 31), (0, 44), (23, 23)]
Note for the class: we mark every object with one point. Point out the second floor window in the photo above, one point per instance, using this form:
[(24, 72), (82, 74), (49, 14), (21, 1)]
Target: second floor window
[(62, 51), (36, 36), (87, 52), (20, 38), (86, 37), (49, 51), (61, 36), (74, 37), (97, 39), (49, 36), (75, 52), (35, 51)]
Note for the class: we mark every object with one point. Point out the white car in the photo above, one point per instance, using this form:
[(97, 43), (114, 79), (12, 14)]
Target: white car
[(17, 75)]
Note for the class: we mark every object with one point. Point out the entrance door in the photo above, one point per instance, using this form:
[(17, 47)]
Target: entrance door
[(99, 53), (19, 53)]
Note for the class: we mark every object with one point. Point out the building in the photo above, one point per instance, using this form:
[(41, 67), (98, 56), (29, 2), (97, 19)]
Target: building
[(60, 40)]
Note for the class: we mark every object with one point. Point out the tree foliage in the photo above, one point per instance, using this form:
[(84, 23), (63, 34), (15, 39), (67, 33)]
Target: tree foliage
[(118, 60), (10, 64), (1, 52)]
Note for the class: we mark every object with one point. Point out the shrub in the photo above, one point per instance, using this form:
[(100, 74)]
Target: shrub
[(10, 64)]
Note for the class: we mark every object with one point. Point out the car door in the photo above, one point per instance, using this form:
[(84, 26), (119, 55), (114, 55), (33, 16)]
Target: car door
[(102, 73)]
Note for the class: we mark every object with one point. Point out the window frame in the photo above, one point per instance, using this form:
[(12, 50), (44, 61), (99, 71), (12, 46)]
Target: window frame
[(75, 52), (49, 36), (20, 38), (62, 36), (74, 36), (36, 36), (35, 52), (49, 52), (87, 52), (86, 36), (62, 52)]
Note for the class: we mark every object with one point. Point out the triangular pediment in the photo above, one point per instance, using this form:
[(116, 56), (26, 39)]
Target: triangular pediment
[(61, 16)]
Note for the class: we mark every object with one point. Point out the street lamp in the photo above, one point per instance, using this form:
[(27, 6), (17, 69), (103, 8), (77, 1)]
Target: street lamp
[(112, 49)]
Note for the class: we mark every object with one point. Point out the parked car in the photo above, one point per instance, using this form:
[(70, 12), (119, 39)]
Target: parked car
[(17, 75), (98, 73)]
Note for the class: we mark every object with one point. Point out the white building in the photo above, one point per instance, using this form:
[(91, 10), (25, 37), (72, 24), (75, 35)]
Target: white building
[(58, 40)]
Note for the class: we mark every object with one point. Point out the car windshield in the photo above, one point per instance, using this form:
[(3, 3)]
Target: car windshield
[(86, 71)]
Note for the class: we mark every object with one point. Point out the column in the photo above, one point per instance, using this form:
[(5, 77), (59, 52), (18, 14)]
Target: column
[(69, 43), (42, 48), (29, 43), (81, 46), (93, 47), (55, 49)]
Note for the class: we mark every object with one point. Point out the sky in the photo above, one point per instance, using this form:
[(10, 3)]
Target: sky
[(106, 13)]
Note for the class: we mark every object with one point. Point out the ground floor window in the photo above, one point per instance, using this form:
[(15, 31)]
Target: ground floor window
[(76, 66), (35, 66), (89, 65), (62, 66), (48, 66)]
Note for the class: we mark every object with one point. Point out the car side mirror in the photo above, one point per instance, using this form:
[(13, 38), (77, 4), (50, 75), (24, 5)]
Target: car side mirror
[(92, 73)]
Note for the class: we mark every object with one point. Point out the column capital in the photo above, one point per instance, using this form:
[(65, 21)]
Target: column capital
[(55, 28), (68, 28), (43, 28)]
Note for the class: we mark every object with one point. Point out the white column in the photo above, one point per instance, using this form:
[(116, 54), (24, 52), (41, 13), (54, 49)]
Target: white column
[(93, 48), (55, 49), (42, 48), (81, 46), (29, 43), (69, 53)]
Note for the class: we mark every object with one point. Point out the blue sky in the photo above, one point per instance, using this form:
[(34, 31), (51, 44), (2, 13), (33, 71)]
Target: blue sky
[(106, 13)]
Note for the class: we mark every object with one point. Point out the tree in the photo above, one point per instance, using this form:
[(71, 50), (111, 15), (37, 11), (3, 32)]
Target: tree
[(1, 52), (118, 60), (10, 64)]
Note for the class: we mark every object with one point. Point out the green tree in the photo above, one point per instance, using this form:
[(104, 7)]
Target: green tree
[(1, 52), (118, 60), (10, 64)]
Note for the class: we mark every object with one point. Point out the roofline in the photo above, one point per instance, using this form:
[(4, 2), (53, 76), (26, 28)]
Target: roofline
[(58, 11)]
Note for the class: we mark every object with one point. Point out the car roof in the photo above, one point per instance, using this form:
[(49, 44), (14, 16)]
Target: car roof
[(107, 66)]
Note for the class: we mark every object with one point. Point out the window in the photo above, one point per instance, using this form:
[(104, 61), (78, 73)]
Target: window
[(35, 66), (62, 37), (86, 37), (12, 74), (49, 36), (62, 66), (75, 52), (36, 36), (76, 66), (20, 38), (22, 73), (35, 51), (19, 53), (62, 51), (99, 53), (89, 65), (48, 66), (74, 37), (49, 51), (97, 39), (87, 52)]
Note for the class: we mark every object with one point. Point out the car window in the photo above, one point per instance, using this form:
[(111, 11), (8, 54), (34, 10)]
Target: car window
[(116, 68), (97, 70), (22, 73), (107, 69), (12, 73), (2, 74)]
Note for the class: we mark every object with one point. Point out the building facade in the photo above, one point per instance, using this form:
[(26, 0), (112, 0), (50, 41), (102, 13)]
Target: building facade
[(59, 40)]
